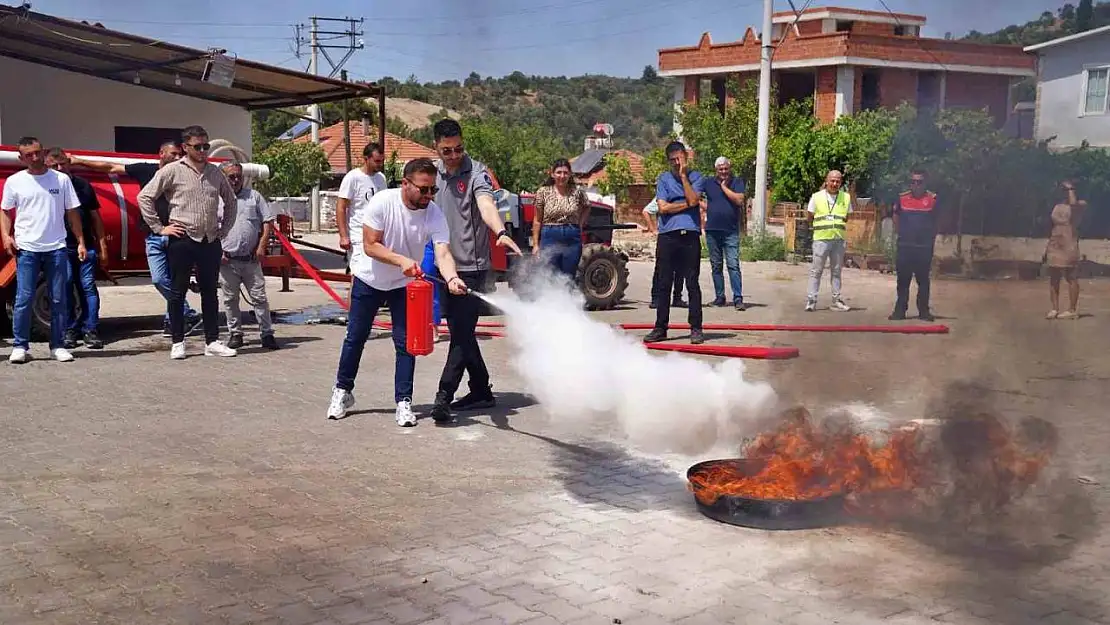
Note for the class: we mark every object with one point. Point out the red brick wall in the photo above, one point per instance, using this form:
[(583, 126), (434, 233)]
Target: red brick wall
[(857, 97), (810, 27), (824, 101), (871, 28), (632, 211), (691, 89), (897, 86), (978, 91)]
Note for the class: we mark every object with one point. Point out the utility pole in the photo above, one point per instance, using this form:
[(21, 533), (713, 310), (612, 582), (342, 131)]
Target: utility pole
[(346, 125), (314, 113), (759, 203), (353, 42)]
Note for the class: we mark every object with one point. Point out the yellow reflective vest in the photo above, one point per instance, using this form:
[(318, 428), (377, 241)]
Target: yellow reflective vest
[(830, 222)]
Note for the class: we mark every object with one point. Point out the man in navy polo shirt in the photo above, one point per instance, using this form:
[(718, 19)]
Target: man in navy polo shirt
[(724, 220), (678, 248)]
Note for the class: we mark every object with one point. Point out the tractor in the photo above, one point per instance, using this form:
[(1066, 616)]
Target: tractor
[(602, 272)]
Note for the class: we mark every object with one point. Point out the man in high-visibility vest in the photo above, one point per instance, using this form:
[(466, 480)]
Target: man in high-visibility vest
[(828, 215), (916, 224)]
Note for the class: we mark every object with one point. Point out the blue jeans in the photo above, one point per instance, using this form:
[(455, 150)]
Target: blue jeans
[(428, 266), (160, 271), (365, 302), (564, 244), (724, 251), (28, 266), (83, 277)]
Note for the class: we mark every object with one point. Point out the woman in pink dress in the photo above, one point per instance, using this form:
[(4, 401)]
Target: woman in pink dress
[(1062, 252)]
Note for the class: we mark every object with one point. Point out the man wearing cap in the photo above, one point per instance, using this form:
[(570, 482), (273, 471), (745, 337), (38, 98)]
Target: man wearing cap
[(724, 220)]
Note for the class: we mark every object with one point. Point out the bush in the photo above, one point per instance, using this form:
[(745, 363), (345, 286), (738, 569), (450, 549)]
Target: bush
[(762, 247)]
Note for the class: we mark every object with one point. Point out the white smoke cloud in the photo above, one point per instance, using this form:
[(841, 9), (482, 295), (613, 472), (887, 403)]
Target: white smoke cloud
[(582, 370)]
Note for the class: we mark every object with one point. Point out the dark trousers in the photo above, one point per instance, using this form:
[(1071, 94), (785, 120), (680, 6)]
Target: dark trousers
[(655, 290), (463, 355), (183, 255), (913, 263), (678, 256), (365, 302), (83, 277)]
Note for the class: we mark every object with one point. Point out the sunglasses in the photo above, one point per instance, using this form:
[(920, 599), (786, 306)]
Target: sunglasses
[(199, 147), (429, 190), (916, 181), (450, 151)]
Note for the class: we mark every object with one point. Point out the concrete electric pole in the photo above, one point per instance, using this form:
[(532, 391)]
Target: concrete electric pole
[(759, 202), (354, 42)]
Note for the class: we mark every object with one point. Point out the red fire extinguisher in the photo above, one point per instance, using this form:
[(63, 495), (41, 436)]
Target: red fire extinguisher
[(419, 329)]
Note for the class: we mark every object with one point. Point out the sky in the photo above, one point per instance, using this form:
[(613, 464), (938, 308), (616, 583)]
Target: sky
[(448, 39)]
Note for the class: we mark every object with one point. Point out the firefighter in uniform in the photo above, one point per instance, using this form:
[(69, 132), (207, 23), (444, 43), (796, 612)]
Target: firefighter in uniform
[(915, 221)]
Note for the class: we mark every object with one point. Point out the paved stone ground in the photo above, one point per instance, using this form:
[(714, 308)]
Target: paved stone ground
[(136, 490)]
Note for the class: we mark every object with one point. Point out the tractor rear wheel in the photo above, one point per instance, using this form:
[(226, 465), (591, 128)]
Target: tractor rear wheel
[(603, 276)]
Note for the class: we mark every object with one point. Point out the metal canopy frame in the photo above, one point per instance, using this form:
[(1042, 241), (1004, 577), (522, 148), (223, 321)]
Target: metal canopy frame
[(96, 51)]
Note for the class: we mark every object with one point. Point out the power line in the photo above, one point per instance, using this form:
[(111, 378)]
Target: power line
[(917, 40)]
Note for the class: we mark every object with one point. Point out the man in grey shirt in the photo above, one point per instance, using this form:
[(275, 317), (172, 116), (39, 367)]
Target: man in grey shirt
[(193, 188), (465, 194), (243, 246)]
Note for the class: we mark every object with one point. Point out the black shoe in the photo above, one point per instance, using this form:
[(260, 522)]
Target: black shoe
[(651, 305), (166, 328), (897, 316), (697, 337), (70, 340), (655, 336), (92, 340), (235, 341), (679, 303), (719, 302), (441, 413), (741, 306), (269, 342), (926, 317), (475, 400)]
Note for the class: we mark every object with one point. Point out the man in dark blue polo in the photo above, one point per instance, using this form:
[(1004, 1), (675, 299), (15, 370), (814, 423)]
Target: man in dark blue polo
[(678, 248), (724, 220)]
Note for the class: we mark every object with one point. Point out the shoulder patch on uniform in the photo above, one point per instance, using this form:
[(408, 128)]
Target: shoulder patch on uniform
[(904, 193), (486, 177)]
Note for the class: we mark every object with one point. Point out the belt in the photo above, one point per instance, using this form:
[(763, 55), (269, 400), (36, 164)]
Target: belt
[(243, 259)]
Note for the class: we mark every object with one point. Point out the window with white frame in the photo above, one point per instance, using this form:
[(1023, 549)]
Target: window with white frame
[(1094, 96)]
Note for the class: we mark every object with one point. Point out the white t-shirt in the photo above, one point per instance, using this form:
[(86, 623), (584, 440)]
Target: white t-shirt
[(358, 187), (40, 203), (404, 230)]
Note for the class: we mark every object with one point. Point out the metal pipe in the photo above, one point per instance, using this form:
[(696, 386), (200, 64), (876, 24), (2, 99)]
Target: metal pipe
[(759, 202)]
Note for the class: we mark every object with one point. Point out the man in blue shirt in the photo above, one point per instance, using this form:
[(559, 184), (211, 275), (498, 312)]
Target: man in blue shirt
[(724, 220), (678, 247)]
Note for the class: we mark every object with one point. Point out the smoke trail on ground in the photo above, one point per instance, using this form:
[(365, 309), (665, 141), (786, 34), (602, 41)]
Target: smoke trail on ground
[(582, 370)]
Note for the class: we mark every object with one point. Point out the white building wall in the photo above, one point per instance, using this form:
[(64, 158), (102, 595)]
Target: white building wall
[(81, 112), (1060, 93)]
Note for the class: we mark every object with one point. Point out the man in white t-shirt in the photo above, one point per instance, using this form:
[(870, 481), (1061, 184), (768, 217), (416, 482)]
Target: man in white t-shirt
[(43, 199), (355, 192), (396, 226)]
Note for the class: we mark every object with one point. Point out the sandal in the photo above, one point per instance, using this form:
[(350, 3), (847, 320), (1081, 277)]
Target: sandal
[(1052, 314), (1071, 314)]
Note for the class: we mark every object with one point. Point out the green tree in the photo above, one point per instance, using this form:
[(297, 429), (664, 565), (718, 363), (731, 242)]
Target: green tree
[(294, 168), (519, 155), (618, 177), (650, 76), (655, 163), (1083, 15)]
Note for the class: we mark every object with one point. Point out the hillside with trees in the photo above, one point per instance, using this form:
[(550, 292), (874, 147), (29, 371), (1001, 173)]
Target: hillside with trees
[(1068, 20)]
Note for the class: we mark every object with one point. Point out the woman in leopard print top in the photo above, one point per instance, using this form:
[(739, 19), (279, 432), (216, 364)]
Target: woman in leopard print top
[(561, 213)]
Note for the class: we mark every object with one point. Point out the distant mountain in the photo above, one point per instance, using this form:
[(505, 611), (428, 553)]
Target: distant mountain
[(1067, 20)]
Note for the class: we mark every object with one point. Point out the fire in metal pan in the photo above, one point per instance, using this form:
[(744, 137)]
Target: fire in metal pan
[(755, 512)]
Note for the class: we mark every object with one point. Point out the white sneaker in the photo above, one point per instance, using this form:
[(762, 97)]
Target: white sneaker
[(405, 417), (177, 352), (217, 348), (341, 402), (62, 355), (840, 306), (19, 356), (811, 306)]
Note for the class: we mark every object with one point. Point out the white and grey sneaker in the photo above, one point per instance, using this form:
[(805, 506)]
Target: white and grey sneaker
[(840, 306), (19, 356), (62, 355), (217, 348), (341, 402), (177, 352), (811, 306), (405, 416)]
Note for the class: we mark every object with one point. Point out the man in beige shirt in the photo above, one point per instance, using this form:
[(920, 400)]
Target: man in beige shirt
[(193, 188)]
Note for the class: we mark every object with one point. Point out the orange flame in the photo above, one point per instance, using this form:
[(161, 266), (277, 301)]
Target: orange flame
[(801, 461)]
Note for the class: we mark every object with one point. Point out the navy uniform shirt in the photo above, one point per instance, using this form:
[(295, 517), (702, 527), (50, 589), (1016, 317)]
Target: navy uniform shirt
[(86, 195), (917, 220)]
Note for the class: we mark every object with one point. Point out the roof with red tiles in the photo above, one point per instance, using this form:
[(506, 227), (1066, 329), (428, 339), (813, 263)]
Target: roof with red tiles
[(331, 141)]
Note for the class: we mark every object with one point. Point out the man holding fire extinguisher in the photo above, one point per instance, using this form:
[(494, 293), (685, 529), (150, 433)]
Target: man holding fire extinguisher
[(397, 224)]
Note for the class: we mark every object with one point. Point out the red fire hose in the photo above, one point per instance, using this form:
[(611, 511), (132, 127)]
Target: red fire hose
[(729, 351), (769, 327)]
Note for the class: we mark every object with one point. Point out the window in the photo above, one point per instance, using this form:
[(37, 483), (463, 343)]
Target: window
[(1094, 97), (900, 31), (843, 26)]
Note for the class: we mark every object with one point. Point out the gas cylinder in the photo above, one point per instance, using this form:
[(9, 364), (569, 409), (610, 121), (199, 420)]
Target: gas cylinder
[(420, 338)]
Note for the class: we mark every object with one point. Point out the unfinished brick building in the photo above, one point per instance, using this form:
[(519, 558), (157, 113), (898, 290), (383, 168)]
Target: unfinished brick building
[(849, 60)]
